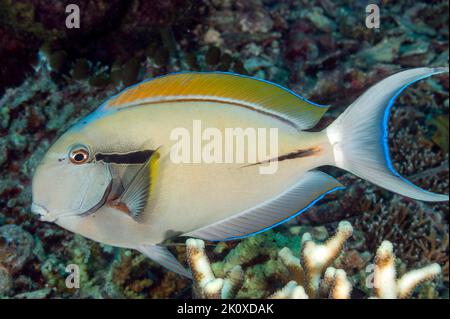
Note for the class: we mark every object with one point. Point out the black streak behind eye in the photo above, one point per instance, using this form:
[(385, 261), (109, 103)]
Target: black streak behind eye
[(137, 157)]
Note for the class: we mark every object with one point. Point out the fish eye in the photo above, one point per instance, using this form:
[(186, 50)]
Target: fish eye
[(79, 155)]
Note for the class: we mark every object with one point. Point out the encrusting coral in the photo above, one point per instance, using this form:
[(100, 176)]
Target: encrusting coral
[(313, 275)]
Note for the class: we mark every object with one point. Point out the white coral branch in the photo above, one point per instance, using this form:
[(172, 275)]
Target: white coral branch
[(293, 264), (386, 285), (409, 281), (385, 274), (206, 285), (317, 257), (341, 288), (290, 291)]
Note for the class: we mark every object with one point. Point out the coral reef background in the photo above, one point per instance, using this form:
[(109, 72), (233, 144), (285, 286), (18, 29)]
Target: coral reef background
[(51, 76)]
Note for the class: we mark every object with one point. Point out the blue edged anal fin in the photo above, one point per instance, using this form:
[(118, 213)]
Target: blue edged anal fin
[(311, 188), (163, 256)]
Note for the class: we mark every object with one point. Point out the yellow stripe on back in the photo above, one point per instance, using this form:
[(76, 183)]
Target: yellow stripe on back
[(235, 89)]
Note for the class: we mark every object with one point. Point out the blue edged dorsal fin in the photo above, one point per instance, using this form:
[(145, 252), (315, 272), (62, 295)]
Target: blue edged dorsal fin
[(163, 256), (311, 188), (224, 87)]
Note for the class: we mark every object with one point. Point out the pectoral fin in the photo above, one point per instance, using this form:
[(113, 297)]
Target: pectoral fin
[(137, 191)]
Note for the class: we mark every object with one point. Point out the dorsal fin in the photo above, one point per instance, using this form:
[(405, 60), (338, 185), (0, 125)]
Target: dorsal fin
[(260, 95)]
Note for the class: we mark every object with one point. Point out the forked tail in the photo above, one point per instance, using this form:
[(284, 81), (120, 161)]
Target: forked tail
[(359, 135)]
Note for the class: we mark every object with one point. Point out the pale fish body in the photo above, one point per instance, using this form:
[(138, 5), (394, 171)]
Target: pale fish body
[(127, 190)]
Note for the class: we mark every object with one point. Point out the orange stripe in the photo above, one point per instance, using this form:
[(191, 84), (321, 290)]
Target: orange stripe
[(211, 86)]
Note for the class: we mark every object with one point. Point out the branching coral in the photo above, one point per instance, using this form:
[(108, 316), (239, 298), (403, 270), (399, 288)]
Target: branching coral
[(315, 262), (386, 285), (312, 270), (206, 285), (292, 290), (313, 274), (416, 230)]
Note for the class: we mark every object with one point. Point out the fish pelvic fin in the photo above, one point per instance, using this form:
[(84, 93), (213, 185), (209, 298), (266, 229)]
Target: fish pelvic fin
[(359, 136), (164, 257)]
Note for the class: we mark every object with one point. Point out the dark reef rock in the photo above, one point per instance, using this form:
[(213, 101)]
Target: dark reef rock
[(16, 246), (109, 31)]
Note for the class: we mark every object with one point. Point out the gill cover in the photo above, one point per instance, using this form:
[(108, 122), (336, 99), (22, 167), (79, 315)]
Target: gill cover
[(64, 190)]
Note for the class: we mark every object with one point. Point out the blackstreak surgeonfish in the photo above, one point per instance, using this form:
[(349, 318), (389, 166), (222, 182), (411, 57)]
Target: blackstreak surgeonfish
[(112, 177)]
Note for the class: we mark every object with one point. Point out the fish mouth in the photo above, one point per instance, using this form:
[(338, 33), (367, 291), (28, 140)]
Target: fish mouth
[(45, 215)]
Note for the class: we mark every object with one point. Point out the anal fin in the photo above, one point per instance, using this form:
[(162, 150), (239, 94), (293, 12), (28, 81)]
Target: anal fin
[(311, 188)]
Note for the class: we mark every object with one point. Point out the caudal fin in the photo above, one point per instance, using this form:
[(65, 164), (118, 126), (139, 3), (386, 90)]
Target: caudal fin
[(359, 135)]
